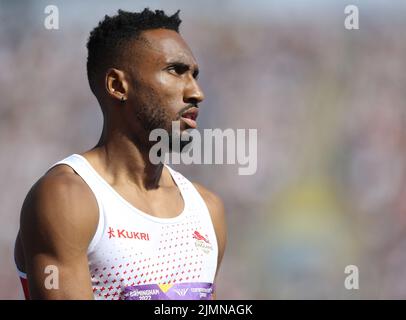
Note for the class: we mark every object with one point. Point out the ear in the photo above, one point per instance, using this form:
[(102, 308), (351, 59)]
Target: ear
[(116, 84)]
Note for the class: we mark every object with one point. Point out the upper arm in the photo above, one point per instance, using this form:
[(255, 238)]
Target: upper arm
[(217, 213), (58, 220)]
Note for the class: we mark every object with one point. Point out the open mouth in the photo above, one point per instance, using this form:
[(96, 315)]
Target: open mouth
[(190, 116)]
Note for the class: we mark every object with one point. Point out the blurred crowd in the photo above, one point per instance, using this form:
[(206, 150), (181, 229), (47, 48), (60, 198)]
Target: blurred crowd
[(328, 103)]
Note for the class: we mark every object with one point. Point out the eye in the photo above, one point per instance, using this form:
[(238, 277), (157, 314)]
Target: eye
[(178, 69), (196, 74)]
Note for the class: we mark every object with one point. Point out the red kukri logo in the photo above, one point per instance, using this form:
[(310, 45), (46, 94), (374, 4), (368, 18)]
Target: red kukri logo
[(202, 242), (198, 236)]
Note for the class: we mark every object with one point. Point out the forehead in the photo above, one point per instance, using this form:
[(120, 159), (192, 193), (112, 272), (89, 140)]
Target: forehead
[(162, 45)]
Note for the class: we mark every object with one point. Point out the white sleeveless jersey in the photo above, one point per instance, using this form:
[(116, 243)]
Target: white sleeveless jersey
[(136, 256)]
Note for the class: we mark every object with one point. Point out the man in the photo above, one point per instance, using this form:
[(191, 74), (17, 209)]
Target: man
[(109, 224)]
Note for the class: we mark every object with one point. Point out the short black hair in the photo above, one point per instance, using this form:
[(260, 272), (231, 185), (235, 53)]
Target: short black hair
[(109, 40)]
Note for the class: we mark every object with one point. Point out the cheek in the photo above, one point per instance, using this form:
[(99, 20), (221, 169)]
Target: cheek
[(170, 87), (162, 92)]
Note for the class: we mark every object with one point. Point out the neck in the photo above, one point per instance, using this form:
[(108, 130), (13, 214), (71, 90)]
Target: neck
[(122, 159)]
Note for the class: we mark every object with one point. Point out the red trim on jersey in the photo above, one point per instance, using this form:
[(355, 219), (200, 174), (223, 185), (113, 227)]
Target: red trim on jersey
[(24, 283)]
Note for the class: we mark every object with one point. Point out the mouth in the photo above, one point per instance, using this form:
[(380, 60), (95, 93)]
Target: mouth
[(190, 116)]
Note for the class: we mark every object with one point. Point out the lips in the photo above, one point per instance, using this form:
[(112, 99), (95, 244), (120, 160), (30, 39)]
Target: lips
[(190, 116)]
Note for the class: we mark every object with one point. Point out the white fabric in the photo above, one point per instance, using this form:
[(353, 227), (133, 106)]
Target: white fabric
[(133, 248)]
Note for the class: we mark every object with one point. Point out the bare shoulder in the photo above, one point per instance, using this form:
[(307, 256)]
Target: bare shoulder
[(213, 201), (217, 213), (59, 201), (58, 220)]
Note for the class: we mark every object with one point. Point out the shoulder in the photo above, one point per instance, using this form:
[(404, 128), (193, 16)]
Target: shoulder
[(212, 200), (217, 213), (60, 188), (216, 208), (59, 201)]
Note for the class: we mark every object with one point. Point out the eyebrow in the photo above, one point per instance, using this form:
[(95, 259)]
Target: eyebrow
[(182, 64)]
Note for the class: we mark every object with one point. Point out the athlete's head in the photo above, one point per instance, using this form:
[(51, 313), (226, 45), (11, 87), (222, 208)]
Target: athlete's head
[(142, 72)]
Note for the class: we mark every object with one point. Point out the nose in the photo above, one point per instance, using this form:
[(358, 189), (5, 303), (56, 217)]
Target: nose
[(193, 94)]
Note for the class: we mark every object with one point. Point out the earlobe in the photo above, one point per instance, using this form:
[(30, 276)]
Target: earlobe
[(124, 84)]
